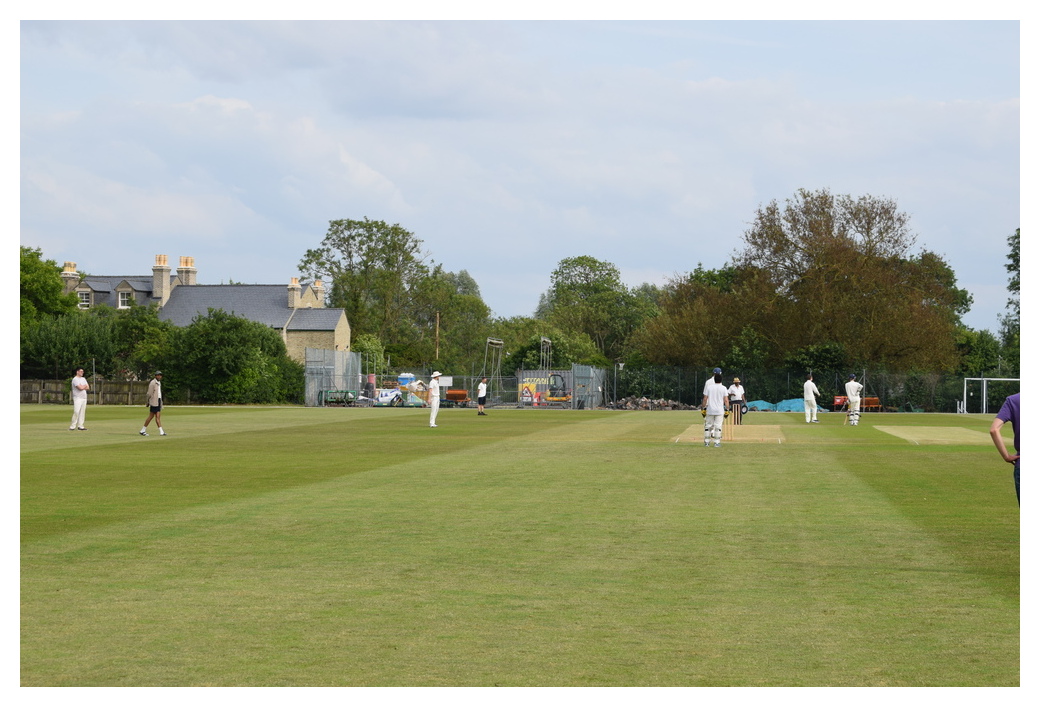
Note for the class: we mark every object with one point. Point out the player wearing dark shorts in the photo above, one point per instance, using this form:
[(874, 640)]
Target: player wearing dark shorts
[(481, 396)]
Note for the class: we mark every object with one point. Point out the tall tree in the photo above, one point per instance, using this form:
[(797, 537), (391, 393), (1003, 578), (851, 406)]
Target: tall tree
[(586, 295), (786, 242), (450, 320), (845, 270), (374, 270)]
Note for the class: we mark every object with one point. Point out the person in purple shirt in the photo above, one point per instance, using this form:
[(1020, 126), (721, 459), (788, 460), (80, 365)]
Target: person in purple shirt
[(1008, 413)]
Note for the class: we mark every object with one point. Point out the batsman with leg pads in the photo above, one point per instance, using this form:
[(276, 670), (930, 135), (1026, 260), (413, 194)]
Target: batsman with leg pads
[(853, 390), (713, 407)]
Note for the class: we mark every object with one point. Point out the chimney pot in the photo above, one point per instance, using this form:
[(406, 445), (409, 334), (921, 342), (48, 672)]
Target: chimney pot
[(186, 272)]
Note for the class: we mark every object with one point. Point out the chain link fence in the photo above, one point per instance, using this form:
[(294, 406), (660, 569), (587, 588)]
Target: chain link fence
[(595, 387), (897, 392)]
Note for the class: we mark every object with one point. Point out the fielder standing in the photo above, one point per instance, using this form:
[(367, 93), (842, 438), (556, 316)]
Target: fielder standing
[(79, 400), (434, 396), (810, 393)]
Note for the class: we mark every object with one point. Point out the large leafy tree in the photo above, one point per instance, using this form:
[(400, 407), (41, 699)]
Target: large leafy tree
[(586, 295), (521, 340), (54, 346), (42, 290), (820, 270), (221, 358), (707, 317), (142, 340), (373, 355), (450, 320), (375, 270), (524, 346), (846, 272), (979, 353)]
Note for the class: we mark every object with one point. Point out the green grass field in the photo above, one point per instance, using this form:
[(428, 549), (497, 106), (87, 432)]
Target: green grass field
[(359, 547)]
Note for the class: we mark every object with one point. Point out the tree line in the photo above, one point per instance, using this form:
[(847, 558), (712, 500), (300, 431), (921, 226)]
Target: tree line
[(820, 282)]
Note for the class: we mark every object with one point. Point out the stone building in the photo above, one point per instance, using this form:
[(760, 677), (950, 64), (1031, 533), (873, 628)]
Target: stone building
[(297, 311)]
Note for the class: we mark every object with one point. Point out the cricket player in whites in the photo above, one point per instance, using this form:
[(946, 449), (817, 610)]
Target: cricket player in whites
[(714, 408), (852, 390), (434, 396)]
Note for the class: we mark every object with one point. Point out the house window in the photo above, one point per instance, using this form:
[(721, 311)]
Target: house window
[(125, 298), (84, 300)]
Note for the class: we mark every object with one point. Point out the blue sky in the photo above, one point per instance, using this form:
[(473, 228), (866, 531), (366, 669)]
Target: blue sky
[(507, 146)]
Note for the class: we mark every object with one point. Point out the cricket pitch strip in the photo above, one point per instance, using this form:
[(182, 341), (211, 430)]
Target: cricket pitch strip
[(769, 434)]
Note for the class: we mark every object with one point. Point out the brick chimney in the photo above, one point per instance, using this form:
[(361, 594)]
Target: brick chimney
[(69, 277), (294, 293), (186, 273), (161, 280), (319, 292)]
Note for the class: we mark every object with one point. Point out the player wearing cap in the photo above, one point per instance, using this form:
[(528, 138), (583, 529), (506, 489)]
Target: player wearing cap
[(711, 381), (737, 400), (434, 396), (154, 405)]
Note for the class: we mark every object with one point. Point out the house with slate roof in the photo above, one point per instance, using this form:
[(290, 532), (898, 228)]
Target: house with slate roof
[(298, 311)]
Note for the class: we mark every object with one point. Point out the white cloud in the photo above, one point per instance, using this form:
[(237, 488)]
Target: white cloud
[(507, 146)]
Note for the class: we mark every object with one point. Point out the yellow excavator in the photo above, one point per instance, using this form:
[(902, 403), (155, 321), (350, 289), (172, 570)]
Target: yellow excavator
[(558, 393)]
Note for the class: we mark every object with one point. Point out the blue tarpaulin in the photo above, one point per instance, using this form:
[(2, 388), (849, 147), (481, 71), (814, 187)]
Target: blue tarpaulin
[(793, 405)]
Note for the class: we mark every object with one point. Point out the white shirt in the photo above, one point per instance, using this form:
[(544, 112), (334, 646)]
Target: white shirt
[(78, 392), (852, 389), (716, 393), (811, 391), (481, 389), (435, 389), (736, 392)]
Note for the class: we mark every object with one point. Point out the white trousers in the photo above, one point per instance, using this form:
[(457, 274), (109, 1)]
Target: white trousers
[(713, 427), (435, 405), (79, 412), (810, 409), (854, 410)]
